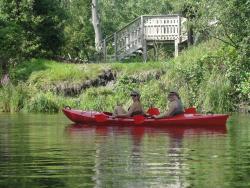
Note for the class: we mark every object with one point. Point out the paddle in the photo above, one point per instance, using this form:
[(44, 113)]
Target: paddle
[(101, 117), (138, 119), (191, 110), (108, 113), (156, 111), (153, 111)]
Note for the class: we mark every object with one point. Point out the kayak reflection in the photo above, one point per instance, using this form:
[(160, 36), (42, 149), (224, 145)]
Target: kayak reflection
[(138, 132), (144, 151)]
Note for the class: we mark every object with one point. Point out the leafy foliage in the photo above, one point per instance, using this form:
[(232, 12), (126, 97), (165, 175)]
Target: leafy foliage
[(42, 103), (221, 19), (48, 28), (115, 14), (79, 33), (11, 42), (13, 98), (30, 29)]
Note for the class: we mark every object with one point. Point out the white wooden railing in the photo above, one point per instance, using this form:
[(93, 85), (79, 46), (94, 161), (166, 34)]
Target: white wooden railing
[(164, 28), (136, 35)]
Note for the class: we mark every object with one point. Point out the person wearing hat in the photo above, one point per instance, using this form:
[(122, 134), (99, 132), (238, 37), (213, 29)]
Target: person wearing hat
[(135, 109), (175, 106)]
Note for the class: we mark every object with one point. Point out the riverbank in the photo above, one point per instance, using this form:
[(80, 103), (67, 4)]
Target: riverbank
[(205, 76)]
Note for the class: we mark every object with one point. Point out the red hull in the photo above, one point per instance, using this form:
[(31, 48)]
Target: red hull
[(88, 117)]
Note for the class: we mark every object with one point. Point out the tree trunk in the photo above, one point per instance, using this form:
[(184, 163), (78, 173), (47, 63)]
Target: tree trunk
[(4, 66), (190, 36), (4, 80), (96, 25)]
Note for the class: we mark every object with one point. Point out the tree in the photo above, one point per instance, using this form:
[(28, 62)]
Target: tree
[(50, 27), (10, 45), (115, 14), (42, 23), (220, 19), (79, 33), (96, 24)]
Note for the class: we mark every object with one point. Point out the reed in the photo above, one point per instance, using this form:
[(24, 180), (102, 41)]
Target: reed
[(12, 98), (42, 102)]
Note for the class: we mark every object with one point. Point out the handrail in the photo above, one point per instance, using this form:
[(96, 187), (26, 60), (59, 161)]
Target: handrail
[(162, 15), (131, 37), (128, 24)]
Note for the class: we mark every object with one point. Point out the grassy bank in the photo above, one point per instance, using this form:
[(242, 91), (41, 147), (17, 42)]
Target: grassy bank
[(205, 77)]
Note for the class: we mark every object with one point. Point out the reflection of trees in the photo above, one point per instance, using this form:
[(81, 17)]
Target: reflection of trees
[(15, 152), (176, 161), (137, 163), (147, 156), (34, 152), (239, 152), (38, 154), (156, 165)]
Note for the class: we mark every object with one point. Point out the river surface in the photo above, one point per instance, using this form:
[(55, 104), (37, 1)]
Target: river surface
[(38, 150)]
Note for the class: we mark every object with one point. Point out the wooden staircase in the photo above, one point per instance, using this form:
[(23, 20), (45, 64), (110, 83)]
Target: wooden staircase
[(135, 37)]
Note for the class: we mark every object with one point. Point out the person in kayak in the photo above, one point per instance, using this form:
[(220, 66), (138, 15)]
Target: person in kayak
[(135, 109), (175, 106)]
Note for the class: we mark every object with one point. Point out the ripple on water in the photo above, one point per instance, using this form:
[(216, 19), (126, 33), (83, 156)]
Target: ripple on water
[(44, 151)]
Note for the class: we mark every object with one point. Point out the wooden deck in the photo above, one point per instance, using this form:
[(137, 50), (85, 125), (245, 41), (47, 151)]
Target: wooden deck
[(135, 37)]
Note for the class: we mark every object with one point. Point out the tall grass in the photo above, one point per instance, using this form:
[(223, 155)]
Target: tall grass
[(12, 98), (196, 74), (42, 72), (42, 103), (214, 94), (134, 68)]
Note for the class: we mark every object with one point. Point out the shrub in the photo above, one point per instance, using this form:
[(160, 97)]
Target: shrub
[(42, 103), (12, 98)]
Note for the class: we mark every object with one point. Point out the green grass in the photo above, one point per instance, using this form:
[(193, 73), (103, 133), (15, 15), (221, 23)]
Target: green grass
[(12, 98), (196, 74), (41, 72), (137, 67)]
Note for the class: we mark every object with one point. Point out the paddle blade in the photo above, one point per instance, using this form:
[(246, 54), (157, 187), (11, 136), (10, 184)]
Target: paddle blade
[(191, 110), (100, 118), (138, 119), (108, 113), (153, 111)]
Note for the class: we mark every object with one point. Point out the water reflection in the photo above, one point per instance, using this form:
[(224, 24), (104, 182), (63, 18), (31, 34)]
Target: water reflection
[(45, 151), (155, 156), (138, 132)]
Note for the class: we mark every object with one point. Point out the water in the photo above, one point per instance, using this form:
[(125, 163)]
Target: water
[(49, 151)]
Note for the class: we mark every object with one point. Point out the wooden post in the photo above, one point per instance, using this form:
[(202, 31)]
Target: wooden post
[(179, 29), (144, 46), (190, 36), (155, 51), (115, 41), (143, 41), (104, 50), (176, 48)]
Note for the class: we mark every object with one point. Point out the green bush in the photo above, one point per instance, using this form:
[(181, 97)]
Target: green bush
[(215, 94), (12, 98), (245, 87), (210, 76), (42, 103)]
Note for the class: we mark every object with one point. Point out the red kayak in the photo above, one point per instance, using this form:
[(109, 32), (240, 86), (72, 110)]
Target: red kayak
[(105, 118)]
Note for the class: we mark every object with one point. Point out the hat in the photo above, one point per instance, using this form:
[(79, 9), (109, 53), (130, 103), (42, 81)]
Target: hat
[(171, 93), (135, 92)]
